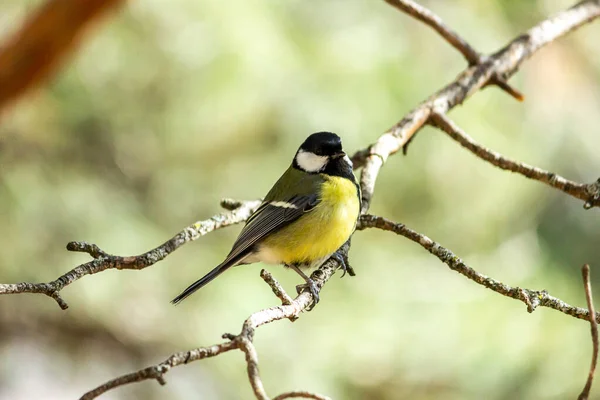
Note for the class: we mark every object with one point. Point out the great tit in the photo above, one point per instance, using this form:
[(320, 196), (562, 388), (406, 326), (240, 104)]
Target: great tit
[(306, 217)]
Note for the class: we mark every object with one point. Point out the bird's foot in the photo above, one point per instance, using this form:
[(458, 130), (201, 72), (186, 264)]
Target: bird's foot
[(342, 259), (310, 285), (312, 288)]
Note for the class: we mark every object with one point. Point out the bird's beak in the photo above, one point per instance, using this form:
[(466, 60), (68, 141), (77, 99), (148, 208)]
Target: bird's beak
[(338, 155)]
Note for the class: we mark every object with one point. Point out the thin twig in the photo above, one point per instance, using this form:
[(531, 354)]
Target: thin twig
[(103, 261), (245, 344), (585, 272), (157, 371), (276, 287), (531, 298), (502, 64), (454, 39), (502, 84), (589, 193), (426, 16)]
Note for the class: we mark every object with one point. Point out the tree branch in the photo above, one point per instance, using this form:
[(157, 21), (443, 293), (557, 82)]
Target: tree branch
[(483, 70), (426, 16), (240, 211), (503, 63), (469, 53), (585, 271), (157, 371), (243, 341), (276, 287), (531, 298), (589, 193)]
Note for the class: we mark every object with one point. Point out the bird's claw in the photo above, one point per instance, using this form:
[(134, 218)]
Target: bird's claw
[(343, 261), (312, 288)]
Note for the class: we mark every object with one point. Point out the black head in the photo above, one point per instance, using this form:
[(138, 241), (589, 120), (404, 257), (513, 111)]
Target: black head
[(323, 144), (322, 152)]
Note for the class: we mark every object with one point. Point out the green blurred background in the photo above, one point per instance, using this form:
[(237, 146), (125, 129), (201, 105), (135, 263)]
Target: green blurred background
[(170, 106)]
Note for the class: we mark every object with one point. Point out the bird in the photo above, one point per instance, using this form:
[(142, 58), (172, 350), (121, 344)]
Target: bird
[(304, 220)]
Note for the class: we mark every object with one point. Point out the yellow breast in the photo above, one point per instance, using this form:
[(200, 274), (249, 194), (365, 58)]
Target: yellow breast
[(323, 230)]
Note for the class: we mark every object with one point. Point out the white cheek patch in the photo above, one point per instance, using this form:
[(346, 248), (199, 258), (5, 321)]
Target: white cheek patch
[(311, 162), (348, 161)]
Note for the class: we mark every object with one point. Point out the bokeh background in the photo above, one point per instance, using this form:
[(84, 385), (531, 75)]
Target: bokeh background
[(170, 106)]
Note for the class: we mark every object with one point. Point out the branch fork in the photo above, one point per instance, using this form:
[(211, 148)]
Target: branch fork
[(495, 68), (290, 309)]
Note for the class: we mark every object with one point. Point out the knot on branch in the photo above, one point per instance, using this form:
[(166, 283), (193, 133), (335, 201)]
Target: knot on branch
[(59, 300), (89, 248), (231, 204), (593, 191), (531, 298), (161, 370), (230, 336)]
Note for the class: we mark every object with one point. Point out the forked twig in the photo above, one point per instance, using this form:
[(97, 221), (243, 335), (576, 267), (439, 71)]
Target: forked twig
[(243, 341), (426, 16), (503, 63)]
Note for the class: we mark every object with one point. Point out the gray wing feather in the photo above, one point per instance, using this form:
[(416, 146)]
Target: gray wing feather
[(269, 218)]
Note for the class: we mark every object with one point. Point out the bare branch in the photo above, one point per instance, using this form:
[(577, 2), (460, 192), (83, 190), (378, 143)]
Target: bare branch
[(276, 287), (503, 64), (245, 344), (502, 84), (103, 261), (469, 53), (589, 193), (585, 271), (157, 371), (531, 298), (430, 19), (291, 311), (242, 341)]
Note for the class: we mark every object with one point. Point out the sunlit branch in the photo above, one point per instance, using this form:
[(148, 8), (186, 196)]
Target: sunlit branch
[(531, 298), (426, 16), (103, 261), (243, 341), (589, 193), (503, 64)]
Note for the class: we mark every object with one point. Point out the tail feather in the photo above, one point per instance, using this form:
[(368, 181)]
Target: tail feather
[(218, 270)]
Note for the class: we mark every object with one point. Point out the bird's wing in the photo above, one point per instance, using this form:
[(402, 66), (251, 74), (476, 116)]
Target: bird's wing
[(270, 217)]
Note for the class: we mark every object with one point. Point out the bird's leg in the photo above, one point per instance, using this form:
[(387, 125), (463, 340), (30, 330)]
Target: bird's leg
[(342, 258), (310, 284)]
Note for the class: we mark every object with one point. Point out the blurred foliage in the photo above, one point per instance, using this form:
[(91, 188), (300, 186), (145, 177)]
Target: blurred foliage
[(168, 107)]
